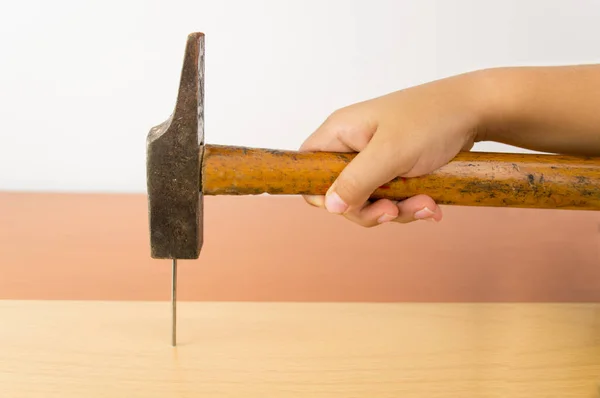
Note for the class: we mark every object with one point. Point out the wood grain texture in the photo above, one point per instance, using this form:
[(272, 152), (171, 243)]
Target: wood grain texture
[(471, 179), (121, 349)]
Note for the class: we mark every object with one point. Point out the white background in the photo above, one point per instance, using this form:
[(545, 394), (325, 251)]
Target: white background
[(81, 82)]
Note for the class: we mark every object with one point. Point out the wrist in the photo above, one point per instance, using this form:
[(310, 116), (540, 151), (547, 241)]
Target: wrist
[(495, 102)]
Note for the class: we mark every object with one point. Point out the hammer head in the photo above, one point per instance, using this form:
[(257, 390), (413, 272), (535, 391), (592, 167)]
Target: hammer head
[(173, 165)]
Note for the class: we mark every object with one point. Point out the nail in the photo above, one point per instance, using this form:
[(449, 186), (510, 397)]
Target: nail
[(385, 218), (424, 213), (335, 204)]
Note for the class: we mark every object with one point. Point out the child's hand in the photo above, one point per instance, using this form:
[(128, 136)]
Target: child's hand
[(406, 133), (415, 131)]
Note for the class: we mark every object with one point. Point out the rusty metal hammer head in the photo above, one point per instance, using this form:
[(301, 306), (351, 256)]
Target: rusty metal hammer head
[(173, 165)]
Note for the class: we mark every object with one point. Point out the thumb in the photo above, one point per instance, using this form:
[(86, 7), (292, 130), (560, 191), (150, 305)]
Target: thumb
[(377, 164)]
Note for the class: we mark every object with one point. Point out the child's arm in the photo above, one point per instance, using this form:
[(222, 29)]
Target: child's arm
[(414, 131), (549, 109)]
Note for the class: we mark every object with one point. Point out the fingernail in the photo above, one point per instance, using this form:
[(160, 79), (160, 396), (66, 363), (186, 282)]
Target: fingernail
[(335, 204), (385, 218), (315, 200), (424, 213)]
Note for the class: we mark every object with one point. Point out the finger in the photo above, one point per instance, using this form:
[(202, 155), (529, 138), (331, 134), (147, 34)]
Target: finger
[(373, 214), (419, 207), (315, 200), (378, 163), (346, 130), (468, 146)]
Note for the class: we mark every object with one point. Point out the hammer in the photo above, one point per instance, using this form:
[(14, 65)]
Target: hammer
[(181, 168)]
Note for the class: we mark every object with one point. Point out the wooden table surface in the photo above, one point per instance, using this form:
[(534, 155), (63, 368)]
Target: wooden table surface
[(121, 349)]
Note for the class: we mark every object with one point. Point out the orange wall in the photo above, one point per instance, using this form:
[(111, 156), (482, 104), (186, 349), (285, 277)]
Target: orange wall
[(79, 246)]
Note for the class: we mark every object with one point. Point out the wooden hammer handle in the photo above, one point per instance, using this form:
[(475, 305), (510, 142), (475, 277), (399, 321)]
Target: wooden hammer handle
[(470, 179)]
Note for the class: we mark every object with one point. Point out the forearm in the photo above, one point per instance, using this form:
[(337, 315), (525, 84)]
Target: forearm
[(548, 109)]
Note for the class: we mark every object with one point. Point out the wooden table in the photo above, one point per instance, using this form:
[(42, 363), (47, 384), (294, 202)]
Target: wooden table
[(121, 349)]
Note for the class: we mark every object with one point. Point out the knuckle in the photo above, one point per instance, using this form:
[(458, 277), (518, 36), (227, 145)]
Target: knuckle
[(333, 118), (340, 116), (338, 113)]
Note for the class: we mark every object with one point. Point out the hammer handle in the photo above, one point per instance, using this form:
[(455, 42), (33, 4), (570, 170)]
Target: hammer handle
[(470, 179)]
